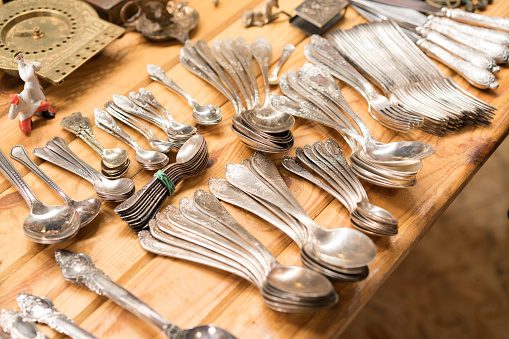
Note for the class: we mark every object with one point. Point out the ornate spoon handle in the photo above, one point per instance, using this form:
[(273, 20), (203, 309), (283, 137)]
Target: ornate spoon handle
[(41, 309), (13, 324), (78, 268)]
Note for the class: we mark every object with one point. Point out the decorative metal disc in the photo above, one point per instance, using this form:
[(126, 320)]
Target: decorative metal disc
[(61, 35)]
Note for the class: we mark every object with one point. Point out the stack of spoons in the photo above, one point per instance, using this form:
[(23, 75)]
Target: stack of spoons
[(149, 160), (203, 231), (312, 93), (145, 106), (114, 163), (341, 254), (192, 158), (57, 152), (327, 160), (262, 128)]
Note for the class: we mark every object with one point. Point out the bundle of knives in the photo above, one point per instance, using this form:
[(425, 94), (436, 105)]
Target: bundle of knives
[(451, 36)]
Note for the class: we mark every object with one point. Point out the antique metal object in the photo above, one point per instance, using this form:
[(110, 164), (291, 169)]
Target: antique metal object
[(261, 16), (318, 16), (160, 20), (18, 328), (42, 310), (61, 35)]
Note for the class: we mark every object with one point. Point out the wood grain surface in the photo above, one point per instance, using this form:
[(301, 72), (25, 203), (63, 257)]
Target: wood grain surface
[(188, 294)]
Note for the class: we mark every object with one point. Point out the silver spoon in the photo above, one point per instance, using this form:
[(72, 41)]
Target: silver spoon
[(202, 114), (78, 268), (18, 328), (45, 224), (287, 51), (339, 247), (148, 159), (41, 309), (87, 209), (266, 118)]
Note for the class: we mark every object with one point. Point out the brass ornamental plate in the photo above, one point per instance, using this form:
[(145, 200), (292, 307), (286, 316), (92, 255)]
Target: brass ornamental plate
[(61, 35)]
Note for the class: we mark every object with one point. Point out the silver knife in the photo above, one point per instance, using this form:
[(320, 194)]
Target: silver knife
[(456, 14), (433, 45)]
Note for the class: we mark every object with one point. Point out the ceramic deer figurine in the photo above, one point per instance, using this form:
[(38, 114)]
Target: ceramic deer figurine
[(32, 99)]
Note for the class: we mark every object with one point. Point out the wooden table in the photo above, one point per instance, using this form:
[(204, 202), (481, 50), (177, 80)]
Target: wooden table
[(189, 294)]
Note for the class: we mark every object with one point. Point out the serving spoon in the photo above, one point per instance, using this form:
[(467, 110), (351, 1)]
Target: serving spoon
[(45, 224), (87, 209), (78, 268)]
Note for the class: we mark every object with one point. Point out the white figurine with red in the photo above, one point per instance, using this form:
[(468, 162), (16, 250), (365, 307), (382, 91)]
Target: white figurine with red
[(32, 99)]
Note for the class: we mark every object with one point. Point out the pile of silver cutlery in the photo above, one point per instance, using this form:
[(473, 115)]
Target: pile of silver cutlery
[(202, 114), (313, 94), (114, 162), (192, 158), (45, 224), (470, 50), (57, 152), (409, 78), (203, 231), (341, 254), (327, 161), (78, 268), (322, 53), (149, 160), (260, 127), (87, 209)]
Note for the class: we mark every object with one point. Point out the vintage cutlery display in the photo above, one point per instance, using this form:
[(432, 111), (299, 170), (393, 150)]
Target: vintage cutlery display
[(57, 152), (341, 254), (204, 232), (260, 127), (78, 268), (192, 158), (323, 54), (410, 78), (45, 224), (478, 54), (114, 163), (202, 114), (150, 160), (87, 209), (42, 310), (343, 184)]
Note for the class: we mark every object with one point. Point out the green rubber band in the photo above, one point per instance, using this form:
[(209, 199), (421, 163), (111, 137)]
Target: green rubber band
[(166, 181)]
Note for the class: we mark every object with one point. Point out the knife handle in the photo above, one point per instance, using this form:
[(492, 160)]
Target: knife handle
[(498, 52), (479, 19), (489, 34), (476, 76), (469, 54)]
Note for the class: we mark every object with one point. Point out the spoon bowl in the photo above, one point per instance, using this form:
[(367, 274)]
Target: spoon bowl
[(51, 224), (207, 114), (299, 281), (113, 158), (343, 247), (205, 332), (87, 209)]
